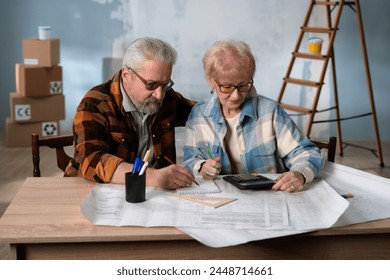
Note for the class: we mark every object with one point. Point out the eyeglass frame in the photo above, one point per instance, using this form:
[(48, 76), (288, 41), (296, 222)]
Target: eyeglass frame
[(164, 86), (251, 82)]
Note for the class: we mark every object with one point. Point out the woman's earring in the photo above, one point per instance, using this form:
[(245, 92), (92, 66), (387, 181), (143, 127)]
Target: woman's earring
[(212, 91)]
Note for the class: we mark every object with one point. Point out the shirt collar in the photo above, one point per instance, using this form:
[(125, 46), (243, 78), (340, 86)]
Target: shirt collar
[(249, 108)]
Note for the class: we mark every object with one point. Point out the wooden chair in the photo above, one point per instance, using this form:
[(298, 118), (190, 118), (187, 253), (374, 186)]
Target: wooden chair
[(330, 146), (58, 143)]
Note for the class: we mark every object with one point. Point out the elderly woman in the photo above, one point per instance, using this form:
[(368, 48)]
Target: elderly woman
[(239, 131)]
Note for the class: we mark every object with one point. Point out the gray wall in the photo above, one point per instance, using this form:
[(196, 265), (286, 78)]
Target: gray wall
[(95, 33)]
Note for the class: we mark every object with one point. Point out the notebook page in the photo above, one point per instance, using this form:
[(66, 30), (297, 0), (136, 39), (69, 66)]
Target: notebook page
[(205, 186)]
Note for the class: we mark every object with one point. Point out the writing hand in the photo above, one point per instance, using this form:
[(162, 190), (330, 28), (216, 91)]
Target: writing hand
[(211, 168), (170, 177)]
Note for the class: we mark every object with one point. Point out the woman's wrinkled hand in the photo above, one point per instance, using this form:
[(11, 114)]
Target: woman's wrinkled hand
[(291, 181)]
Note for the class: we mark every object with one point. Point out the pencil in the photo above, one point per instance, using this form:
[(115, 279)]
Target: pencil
[(171, 162), (347, 195), (146, 157)]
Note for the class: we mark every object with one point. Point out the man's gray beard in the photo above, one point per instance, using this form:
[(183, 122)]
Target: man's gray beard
[(150, 106)]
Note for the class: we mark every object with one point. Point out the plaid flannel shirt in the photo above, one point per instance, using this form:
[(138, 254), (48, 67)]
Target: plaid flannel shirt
[(271, 141), (105, 134)]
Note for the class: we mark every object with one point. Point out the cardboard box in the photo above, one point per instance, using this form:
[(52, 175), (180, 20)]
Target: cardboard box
[(41, 52), (30, 109), (36, 81), (19, 135)]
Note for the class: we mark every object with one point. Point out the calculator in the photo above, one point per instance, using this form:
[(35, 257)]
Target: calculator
[(249, 181)]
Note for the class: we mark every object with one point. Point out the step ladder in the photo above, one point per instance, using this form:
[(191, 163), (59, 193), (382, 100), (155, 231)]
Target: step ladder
[(323, 59)]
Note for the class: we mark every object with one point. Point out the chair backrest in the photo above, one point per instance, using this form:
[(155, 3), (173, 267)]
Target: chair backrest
[(330, 146), (58, 143)]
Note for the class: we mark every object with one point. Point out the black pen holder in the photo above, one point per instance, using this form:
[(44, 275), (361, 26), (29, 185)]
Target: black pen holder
[(135, 187)]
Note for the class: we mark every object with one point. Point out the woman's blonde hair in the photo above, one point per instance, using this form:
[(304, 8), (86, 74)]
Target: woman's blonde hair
[(226, 56)]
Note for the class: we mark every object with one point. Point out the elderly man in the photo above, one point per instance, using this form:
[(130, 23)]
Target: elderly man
[(135, 111)]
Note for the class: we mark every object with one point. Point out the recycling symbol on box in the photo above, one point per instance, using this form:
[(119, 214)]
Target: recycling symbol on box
[(55, 87), (49, 129)]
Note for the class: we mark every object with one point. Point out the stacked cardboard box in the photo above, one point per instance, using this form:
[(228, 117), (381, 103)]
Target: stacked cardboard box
[(38, 104)]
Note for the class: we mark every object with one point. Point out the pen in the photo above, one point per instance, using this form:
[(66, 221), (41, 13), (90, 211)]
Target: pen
[(171, 162), (143, 164), (209, 151), (136, 165), (143, 168), (211, 155), (346, 196)]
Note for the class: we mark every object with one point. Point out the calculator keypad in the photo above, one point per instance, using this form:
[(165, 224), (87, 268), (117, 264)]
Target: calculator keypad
[(247, 177)]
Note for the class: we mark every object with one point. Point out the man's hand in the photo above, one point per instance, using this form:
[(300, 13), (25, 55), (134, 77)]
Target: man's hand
[(170, 177)]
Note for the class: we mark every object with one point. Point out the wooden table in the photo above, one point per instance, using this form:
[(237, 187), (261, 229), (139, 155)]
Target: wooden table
[(44, 222)]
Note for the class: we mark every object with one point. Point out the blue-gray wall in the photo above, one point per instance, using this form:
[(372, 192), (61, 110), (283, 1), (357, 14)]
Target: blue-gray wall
[(95, 33)]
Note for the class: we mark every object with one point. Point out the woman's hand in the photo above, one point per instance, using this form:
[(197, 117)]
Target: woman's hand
[(292, 181), (211, 168)]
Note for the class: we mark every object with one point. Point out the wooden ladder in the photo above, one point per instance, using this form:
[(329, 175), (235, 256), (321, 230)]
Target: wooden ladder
[(324, 57)]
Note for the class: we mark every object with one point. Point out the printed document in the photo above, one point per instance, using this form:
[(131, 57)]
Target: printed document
[(319, 206)]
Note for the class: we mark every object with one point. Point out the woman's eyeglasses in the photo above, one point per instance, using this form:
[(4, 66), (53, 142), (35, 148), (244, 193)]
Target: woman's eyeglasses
[(230, 88), (152, 85)]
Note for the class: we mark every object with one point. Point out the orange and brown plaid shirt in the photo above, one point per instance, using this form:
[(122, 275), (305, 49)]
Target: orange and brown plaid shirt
[(105, 135)]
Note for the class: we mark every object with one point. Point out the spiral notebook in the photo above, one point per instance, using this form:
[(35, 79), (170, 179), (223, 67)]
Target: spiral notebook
[(205, 186)]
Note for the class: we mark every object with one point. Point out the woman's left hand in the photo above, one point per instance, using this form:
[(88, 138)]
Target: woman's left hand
[(291, 181)]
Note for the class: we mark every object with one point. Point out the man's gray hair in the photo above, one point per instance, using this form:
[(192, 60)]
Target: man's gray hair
[(148, 48)]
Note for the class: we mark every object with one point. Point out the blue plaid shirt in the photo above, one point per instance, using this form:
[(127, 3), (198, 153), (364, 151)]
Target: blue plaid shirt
[(272, 141)]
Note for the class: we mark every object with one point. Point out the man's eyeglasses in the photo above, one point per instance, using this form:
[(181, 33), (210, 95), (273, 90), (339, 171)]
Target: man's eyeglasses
[(229, 88), (152, 85)]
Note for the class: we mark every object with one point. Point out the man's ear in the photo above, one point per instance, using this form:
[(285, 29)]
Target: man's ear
[(125, 72)]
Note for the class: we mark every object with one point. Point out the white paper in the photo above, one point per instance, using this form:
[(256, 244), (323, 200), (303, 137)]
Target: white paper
[(105, 205), (371, 193), (253, 210), (205, 187), (318, 206), (370, 202), (249, 212)]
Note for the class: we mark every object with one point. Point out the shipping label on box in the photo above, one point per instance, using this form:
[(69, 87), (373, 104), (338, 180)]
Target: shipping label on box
[(41, 52), (36, 81), (30, 109), (19, 134)]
